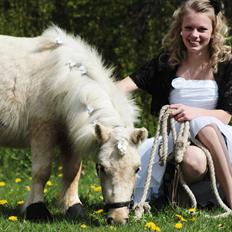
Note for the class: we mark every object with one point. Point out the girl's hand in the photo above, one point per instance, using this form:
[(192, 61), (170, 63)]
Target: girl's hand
[(183, 113)]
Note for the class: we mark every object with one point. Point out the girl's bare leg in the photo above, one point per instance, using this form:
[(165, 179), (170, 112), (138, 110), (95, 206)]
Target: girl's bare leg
[(211, 137), (194, 165)]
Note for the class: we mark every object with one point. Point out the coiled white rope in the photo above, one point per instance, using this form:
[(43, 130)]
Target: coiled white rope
[(181, 142)]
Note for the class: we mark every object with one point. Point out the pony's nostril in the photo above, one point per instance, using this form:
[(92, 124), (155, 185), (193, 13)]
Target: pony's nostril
[(126, 220), (110, 220)]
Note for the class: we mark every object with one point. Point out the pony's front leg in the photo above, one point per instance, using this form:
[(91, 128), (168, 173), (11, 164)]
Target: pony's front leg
[(42, 144), (71, 204)]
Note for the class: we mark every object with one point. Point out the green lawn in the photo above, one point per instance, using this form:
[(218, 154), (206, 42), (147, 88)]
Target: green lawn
[(16, 164)]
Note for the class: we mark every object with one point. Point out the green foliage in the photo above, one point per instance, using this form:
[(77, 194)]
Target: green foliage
[(14, 159), (126, 33)]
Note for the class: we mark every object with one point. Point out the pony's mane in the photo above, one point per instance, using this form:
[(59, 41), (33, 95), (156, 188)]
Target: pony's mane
[(80, 80)]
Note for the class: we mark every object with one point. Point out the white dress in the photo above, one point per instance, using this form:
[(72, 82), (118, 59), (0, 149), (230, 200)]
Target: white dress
[(196, 93)]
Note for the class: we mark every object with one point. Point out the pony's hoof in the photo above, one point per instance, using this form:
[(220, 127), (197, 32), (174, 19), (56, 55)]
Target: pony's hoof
[(75, 211), (38, 212)]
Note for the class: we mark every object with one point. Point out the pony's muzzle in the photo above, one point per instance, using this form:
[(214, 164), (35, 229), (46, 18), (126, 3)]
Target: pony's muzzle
[(111, 221), (118, 216)]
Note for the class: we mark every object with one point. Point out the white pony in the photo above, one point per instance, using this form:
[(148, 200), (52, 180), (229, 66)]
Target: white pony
[(56, 92)]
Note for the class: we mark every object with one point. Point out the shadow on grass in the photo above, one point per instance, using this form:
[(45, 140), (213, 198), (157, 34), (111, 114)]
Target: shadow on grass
[(6, 211), (89, 217)]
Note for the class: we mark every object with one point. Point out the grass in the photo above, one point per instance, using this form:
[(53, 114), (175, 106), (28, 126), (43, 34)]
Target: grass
[(16, 164)]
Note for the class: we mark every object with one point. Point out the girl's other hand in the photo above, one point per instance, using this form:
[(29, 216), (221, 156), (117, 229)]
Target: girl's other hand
[(183, 113)]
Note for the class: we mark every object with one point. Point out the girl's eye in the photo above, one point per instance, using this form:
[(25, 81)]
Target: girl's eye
[(188, 28), (202, 29)]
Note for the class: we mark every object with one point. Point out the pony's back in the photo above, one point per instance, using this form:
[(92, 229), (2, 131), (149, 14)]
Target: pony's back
[(82, 88), (78, 73), (59, 77)]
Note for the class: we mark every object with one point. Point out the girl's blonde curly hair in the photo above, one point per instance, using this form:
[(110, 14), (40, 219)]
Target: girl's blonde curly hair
[(218, 50)]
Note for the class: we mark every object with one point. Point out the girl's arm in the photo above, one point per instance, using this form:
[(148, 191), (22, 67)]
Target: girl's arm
[(127, 85), (183, 112)]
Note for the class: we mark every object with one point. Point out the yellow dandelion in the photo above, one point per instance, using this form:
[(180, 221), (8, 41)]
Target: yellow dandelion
[(20, 202), (157, 229), (192, 210), (99, 211), (60, 168), (83, 226), (180, 218), (152, 226), (2, 183), (45, 190), (28, 188), (18, 180), (60, 175), (49, 183), (179, 225), (3, 202), (96, 188), (13, 218)]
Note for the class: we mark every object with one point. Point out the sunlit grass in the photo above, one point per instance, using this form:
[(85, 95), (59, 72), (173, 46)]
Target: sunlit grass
[(15, 185)]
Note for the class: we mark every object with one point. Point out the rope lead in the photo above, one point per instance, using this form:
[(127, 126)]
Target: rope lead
[(181, 141)]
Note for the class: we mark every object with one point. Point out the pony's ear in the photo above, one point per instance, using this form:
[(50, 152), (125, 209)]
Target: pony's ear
[(138, 135), (102, 133)]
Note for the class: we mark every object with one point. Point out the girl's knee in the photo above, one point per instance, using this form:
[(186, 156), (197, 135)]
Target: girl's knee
[(194, 164), (208, 132)]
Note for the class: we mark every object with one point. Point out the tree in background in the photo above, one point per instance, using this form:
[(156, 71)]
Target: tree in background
[(126, 33)]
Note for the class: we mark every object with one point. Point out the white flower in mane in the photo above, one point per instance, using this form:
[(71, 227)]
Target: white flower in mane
[(122, 145), (85, 82)]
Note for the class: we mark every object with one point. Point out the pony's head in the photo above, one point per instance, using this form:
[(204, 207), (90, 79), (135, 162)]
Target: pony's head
[(117, 165)]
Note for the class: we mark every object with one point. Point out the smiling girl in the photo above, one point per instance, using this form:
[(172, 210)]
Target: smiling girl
[(194, 77)]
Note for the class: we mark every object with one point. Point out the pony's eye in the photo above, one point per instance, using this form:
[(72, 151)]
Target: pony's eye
[(137, 170), (100, 168)]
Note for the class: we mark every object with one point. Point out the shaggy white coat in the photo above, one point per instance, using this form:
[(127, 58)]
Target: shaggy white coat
[(41, 78), (56, 92)]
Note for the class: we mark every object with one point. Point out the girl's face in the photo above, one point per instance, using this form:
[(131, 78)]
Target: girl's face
[(196, 31)]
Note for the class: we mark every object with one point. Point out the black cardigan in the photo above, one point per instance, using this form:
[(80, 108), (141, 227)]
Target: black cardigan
[(155, 77)]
